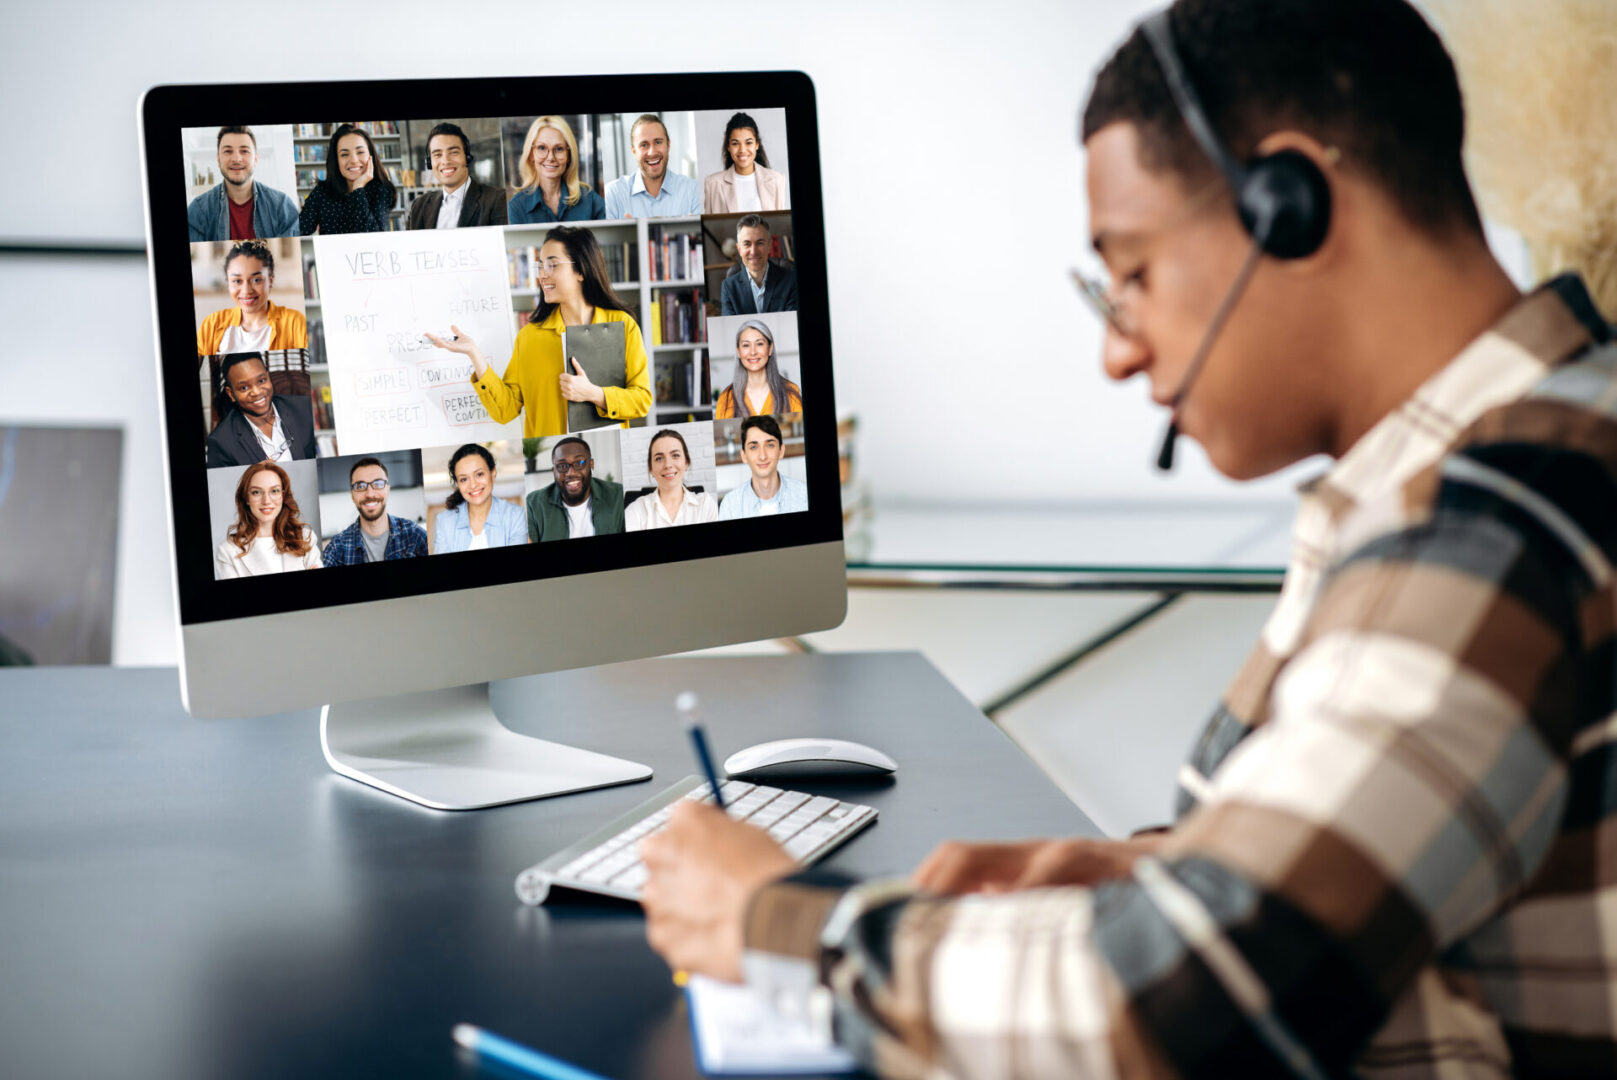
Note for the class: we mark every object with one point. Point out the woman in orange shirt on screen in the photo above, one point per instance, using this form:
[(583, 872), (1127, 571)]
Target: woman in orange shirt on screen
[(575, 291), (759, 388), (255, 324)]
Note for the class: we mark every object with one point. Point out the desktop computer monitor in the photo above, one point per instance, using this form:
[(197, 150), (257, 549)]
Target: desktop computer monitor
[(531, 374)]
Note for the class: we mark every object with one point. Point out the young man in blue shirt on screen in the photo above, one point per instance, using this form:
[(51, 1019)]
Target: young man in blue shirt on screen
[(1392, 852), (239, 207), (768, 491), (652, 191)]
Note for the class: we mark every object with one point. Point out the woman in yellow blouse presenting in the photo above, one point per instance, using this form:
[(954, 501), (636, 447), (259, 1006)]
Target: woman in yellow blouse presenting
[(575, 291)]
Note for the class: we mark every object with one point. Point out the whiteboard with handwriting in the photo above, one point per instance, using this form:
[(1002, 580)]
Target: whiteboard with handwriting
[(391, 389)]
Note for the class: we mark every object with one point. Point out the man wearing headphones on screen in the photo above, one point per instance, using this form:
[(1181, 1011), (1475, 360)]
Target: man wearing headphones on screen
[(459, 201), (1393, 846)]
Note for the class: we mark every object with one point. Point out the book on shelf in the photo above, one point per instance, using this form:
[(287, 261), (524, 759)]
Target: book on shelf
[(678, 317), (676, 382), (522, 264), (324, 417), (311, 281), (323, 131), (673, 255), (780, 247)]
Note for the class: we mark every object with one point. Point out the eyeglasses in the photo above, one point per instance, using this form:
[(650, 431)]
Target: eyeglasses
[(1100, 296), (572, 466), (360, 485), (549, 265), (557, 152)]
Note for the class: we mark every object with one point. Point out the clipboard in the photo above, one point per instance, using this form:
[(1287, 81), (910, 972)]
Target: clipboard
[(601, 351)]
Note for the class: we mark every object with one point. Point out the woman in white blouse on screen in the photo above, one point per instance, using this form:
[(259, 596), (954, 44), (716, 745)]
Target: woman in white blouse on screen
[(667, 460), (268, 537), (747, 184)]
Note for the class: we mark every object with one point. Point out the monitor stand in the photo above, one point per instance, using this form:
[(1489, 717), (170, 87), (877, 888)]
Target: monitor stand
[(446, 749)]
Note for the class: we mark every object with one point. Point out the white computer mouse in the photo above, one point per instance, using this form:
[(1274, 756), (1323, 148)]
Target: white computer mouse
[(808, 757)]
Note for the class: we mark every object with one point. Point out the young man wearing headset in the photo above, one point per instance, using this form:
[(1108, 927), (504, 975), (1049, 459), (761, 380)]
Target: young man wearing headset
[(1394, 849), (459, 201)]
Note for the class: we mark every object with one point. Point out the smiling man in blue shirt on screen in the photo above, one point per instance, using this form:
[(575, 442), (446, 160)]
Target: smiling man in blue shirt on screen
[(652, 191)]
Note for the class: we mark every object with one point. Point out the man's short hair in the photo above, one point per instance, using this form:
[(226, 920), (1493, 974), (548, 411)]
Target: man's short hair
[(361, 463), (232, 359), (752, 221), (571, 439), (235, 129), (646, 118), (1368, 77), (448, 128), (764, 423)]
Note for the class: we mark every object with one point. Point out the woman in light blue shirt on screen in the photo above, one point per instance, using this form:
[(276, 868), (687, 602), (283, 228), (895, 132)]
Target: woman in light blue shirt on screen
[(474, 517)]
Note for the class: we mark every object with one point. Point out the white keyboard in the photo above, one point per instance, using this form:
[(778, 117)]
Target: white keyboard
[(608, 860)]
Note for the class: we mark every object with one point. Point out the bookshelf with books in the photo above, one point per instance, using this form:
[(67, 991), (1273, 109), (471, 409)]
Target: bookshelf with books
[(325, 426)]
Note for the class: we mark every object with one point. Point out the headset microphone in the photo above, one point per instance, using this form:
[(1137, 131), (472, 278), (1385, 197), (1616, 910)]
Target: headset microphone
[(1227, 305), (1282, 199)]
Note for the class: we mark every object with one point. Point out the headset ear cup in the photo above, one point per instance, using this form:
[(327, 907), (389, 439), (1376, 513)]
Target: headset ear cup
[(1289, 192)]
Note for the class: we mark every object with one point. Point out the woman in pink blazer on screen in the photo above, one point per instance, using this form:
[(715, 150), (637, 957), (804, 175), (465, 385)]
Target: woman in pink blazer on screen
[(747, 183)]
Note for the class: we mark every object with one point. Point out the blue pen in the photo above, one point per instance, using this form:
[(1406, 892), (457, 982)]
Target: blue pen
[(686, 704), (517, 1056)]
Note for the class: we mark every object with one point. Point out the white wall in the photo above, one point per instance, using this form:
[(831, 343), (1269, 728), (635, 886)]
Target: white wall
[(936, 121)]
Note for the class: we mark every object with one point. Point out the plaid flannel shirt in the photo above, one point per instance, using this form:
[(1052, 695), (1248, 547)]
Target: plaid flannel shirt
[(405, 540), (1396, 854)]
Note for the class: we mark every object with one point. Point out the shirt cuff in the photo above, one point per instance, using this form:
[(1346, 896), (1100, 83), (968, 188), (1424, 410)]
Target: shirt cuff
[(785, 918)]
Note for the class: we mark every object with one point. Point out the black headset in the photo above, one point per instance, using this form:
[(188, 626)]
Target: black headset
[(1282, 198)]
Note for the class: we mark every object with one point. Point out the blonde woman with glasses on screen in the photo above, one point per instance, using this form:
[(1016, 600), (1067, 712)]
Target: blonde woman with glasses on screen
[(759, 388), (268, 536), (551, 190), (667, 460)]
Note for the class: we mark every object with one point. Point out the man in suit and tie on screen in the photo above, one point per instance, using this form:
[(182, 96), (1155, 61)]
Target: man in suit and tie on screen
[(459, 201), (757, 283)]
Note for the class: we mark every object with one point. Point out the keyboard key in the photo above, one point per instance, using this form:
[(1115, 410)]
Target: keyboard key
[(806, 826), (632, 878)]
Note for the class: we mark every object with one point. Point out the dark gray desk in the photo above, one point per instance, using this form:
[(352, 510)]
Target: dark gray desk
[(184, 898)]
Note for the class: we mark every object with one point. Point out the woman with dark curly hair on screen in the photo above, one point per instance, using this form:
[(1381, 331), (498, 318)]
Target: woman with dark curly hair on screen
[(268, 536), (474, 517), (747, 182)]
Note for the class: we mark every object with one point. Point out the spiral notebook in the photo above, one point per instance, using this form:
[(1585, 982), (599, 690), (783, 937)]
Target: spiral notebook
[(738, 1031)]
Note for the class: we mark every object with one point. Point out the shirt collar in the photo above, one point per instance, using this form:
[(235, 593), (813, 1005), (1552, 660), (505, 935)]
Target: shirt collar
[(1499, 366)]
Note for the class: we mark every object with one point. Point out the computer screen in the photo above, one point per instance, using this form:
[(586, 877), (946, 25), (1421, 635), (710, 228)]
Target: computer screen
[(550, 341)]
